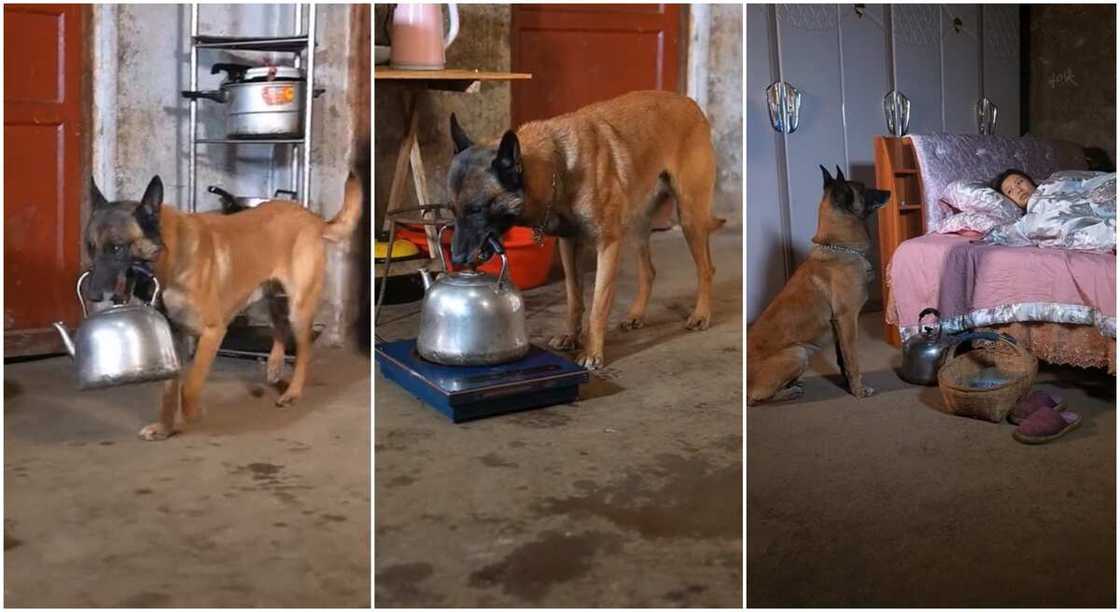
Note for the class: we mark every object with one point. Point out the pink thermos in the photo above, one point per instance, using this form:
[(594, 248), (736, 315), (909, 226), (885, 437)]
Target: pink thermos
[(417, 36)]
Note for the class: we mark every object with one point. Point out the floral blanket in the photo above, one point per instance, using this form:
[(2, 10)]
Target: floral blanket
[(1073, 210)]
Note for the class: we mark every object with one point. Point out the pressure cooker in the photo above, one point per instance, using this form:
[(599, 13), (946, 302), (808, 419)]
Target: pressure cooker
[(264, 101)]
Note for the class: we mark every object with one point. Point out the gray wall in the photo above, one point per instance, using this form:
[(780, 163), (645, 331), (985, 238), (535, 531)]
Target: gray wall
[(1073, 74), (142, 54)]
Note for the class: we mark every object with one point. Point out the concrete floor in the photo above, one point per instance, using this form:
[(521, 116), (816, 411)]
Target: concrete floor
[(253, 506), (889, 502), (630, 497)]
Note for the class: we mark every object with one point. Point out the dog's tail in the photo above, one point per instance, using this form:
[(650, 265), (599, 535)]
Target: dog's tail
[(346, 220)]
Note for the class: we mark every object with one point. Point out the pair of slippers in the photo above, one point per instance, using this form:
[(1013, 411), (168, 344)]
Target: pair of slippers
[(1041, 417)]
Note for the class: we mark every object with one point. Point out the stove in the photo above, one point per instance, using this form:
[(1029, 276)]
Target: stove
[(463, 393)]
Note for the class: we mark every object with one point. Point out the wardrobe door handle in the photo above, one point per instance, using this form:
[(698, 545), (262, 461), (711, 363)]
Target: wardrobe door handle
[(896, 106), (986, 114), (784, 102)]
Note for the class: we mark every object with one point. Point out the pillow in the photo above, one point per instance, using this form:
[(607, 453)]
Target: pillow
[(975, 207)]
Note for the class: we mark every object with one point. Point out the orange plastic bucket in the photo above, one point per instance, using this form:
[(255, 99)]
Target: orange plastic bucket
[(529, 264)]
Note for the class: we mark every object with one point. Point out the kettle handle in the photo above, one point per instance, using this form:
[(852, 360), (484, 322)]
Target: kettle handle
[(935, 313), (500, 249), (155, 294), (82, 300), (78, 289), (439, 245)]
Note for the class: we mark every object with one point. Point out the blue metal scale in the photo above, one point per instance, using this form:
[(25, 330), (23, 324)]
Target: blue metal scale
[(463, 393)]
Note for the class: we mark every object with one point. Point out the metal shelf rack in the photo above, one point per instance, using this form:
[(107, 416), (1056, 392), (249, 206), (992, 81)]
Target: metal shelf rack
[(300, 44)]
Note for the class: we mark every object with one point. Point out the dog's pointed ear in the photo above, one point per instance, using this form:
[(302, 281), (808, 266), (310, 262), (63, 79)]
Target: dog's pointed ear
[(840, 174), (96, 198), (877, 197), (507, 165), (458, 136), (827, 176), (152, 201)]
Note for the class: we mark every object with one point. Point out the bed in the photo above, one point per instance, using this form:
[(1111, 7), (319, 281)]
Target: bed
[(1060, 304)]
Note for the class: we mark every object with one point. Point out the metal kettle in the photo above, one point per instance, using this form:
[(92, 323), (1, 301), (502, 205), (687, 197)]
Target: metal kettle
[(123, 344), (923, 354), (470, 318)]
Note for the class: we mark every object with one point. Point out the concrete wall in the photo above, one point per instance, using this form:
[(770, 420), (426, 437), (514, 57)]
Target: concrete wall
[(1073, 74), (725, 107), (483, 44), (141, 123)]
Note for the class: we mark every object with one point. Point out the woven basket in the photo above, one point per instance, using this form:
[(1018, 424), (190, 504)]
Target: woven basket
[(990, 403)]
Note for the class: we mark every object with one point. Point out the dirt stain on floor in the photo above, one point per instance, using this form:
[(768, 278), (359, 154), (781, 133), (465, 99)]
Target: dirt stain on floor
[(495, 460), (692, 499), (147, 599), (399, 585), (530, 570)]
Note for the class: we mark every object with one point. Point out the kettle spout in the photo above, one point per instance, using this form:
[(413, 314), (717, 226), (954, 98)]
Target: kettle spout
[(66, 340), (426, 277)]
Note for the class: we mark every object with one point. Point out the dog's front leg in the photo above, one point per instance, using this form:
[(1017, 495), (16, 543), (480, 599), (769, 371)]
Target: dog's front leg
[(204, 355), (606, 269), (573, 284), (168, 407), (845, 329)]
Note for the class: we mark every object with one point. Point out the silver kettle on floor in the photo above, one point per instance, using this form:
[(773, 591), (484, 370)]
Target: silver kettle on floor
[(470, 318), (924, 353), (123, 344)]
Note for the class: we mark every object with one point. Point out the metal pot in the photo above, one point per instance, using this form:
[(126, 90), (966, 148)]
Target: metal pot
[(923, 354), (232, 203), (123, 344), (471, 318), (264, 101)]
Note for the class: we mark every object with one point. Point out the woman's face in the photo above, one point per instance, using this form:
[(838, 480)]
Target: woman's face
[(1018, 188)]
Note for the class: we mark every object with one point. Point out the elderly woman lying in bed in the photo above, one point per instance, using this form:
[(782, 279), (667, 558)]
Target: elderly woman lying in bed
[(1069, 210)]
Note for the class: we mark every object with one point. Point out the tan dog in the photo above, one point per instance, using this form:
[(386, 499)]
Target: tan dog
[(210, 265), (594, 176), (824, 296)]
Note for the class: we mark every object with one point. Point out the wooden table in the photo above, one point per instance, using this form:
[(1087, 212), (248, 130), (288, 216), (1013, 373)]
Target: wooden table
[(413, 84)]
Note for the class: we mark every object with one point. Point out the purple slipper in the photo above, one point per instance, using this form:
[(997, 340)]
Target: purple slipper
[(1032, 402), (1044, 425)]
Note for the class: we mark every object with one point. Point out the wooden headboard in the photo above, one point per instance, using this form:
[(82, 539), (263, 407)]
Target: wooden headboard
[(903, 217)]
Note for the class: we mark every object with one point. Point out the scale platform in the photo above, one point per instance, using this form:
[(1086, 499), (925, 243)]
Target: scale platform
[(463, 393)]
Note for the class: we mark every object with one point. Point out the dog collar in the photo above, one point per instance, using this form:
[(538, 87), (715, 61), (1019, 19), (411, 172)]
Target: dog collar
[(836, 248), (840, 249)]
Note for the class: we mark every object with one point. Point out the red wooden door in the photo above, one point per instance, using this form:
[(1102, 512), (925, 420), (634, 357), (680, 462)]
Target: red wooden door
[(583, 53), (44, 48)]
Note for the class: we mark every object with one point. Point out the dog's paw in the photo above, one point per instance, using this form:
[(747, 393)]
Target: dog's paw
[(791, 392), (564, 342), (698, 321), (631, 323), (864, 391), (287, 399), (590, 361), (156, 431)]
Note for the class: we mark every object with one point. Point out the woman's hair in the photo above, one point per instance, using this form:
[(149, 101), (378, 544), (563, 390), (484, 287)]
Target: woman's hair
[(997, 183)]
